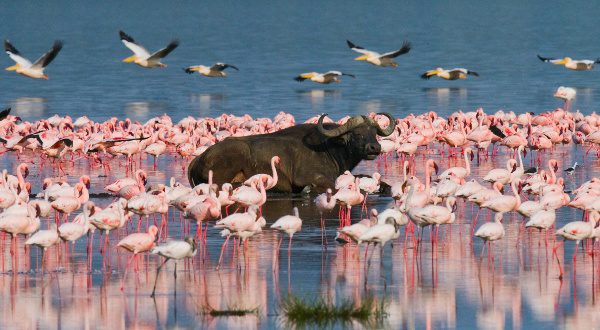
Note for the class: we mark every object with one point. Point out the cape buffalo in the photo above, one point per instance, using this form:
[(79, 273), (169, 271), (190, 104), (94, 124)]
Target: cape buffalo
[(311, 155)]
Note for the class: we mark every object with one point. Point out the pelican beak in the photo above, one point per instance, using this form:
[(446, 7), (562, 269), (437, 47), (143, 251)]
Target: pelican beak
[(307, 75), (361, 58), (563, 61), (12, 68), (130, 59)]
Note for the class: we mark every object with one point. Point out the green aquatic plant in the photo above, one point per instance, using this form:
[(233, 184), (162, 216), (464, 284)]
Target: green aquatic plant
[(230, 311), (301, 312)]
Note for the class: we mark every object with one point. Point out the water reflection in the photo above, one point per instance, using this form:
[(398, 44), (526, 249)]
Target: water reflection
[(208, 102), (316, 96), (29, 106), (144, 110), (444, 285), (443, 95)]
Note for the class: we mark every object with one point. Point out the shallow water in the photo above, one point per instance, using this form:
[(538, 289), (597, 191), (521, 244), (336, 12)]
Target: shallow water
[(447, 285)]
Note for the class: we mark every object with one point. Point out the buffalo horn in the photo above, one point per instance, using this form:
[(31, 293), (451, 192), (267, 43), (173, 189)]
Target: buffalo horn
[(388, 130), (335, 132)]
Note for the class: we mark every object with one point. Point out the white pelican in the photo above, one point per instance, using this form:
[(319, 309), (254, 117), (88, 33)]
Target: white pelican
[(25, 67), (379, 59), (217, 70), (456, 73), (142, 57), (323, 78), (569, 63)]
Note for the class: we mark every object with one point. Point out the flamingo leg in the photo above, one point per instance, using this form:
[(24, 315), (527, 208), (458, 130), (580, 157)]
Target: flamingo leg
[(156, 279)]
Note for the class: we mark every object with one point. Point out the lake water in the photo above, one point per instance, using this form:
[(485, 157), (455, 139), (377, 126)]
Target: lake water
[(443, 286), (273, 42)]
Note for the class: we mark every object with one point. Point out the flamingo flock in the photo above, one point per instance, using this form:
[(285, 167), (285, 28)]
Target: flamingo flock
[(419, 202)]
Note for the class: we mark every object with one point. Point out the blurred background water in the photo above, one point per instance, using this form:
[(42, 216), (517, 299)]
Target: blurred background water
[(272, 42)]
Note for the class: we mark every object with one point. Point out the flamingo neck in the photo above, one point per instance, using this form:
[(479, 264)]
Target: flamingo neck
[(516, 192), (274, 171)]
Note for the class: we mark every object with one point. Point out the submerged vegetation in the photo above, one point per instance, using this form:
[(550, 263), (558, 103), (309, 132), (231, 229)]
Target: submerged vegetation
[(301, 312), (230, 311)]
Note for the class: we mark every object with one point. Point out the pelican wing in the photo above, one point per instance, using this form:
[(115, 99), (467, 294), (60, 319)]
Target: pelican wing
[(546, 59), (403, 50), (14, 54), (165, 51), (191, 69), (359, 49), (223, 66), (45, 59), (337, 73), (135, 48)]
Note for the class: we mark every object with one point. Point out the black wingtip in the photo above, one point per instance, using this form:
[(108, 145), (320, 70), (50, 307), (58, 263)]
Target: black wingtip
[(58, 45), (173, 44), (125, 36), (350, 44), (10, 48), (406, 46), (543, 59), (4, 113), (299, 78), (473, 73), (188, 70), (498, 132)]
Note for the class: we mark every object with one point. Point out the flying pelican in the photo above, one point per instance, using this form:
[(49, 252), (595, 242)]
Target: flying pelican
[(217, 70), (323, 78), (456, 73), (141, 56), (569, 63), (25, 67), (379, 59)]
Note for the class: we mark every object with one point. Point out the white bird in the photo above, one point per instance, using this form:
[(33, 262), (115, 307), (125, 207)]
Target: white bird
[(355, 231), (378, 59), (381, 233), (491, 231), (44, 239), (32, 70), (393, 213), (142, 57), (452, 74), (323, 78), (569, 63), (176, 250), (542, 219), (289, 224), (216, 70)]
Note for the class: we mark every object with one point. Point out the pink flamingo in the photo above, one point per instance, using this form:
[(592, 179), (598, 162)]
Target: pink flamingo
[(137, 243), (270, 181)]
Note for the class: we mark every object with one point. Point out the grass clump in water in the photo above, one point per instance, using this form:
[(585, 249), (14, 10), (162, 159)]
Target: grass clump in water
[(231, 311), (302, 312)]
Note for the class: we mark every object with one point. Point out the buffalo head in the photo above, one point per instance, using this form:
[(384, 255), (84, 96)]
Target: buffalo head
[(359, 134)]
